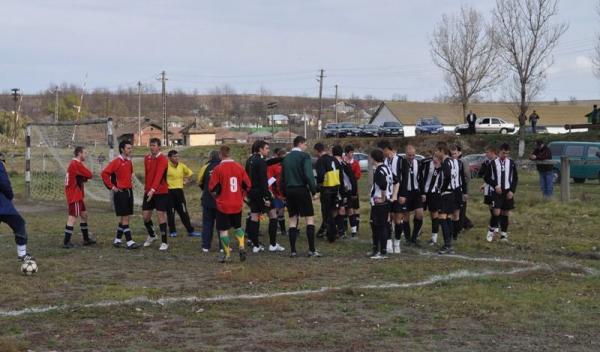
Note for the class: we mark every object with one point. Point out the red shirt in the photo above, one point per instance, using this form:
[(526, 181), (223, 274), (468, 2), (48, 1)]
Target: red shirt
[(118, 173), (274, 171), (231, 183), (77, 175), (355, 165), (156, 173)]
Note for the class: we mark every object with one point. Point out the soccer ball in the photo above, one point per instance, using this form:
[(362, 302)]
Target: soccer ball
[(29, 267)]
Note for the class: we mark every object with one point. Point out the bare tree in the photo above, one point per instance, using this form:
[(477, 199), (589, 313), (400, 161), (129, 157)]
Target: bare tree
[(464, 47), (527, 35)]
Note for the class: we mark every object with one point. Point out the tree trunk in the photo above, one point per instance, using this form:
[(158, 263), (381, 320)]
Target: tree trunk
[(523, 109), (465, 105)]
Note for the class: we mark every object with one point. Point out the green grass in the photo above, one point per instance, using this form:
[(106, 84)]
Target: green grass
[(551, 309)]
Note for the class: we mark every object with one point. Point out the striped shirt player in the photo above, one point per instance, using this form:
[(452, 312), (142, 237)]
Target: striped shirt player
[(394, 163), (411, 195), (503, 177), (447, 201), (380, 199), (431, 183), (459, 185), (488, 190), (77, 175)]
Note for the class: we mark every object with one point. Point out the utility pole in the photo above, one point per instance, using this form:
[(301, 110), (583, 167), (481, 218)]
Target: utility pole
[(319, 123), (139, 141), (163, 79), (16, 97), (56, 90), (336, 102)]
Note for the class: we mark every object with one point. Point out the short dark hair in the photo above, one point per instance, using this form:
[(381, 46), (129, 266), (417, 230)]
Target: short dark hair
[(78, 150), (224, 151), (337, 150), (377, 155), (280, 152), (172, 152), (384, 144), (454, 147), (348, 149), (123, 144), (319, 147), (491, 148), (155, 141), (299, 140), (505, 146), (443, 148), (260, 144)]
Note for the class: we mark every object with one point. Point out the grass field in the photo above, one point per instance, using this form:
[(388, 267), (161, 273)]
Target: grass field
[(539, 292)]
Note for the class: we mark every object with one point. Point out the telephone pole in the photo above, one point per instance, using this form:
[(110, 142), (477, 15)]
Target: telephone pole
[(139, 141), (56, 90), (319, 123), (336, 102), (164, 107)]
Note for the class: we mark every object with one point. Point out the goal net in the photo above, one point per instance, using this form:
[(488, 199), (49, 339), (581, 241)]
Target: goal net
[(50, 150)]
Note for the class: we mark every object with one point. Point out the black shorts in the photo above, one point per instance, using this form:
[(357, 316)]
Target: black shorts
[(225, 222), (123, 202), (299, 202), (499, 201), (257, 204), (447, 204), (487, 200), (395, 207), (458, 198), (380, 214), (413, 201), (160, 202), (432, 202), (353, 202)]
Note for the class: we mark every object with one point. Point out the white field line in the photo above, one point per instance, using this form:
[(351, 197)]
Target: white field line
[(462, 274)]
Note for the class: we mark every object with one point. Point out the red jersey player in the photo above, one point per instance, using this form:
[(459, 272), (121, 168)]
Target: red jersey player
[(156, 193), (229, 184), (77, 176)]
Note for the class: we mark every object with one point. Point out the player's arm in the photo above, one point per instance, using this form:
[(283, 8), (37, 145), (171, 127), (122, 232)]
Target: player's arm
[(160, 170), (5, 186), (282, 180), (489, 176), (447, 172), (515, 180), (482, 169), (83, 171), (187, 172), (404, 178), (107, 172), (381, 181), (321, 169), (201, 176), (308, 174), (214, 185), (264, 180), (463, 178)]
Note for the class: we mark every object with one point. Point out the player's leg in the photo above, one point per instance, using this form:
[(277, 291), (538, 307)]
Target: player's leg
[(293, 231), (339, 222), (17, 225), (171, 208), (83, 225), (162, 225), (307, 211), (446, 232), (208, 224), (435, 226), (418, 224), (184, 214), (273, 224), (71, 219), (406, 224), (149, 225), (281, 218), (456, 226), (504, 225)]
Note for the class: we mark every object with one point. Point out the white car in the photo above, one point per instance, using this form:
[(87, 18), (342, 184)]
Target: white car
[(487, 125)]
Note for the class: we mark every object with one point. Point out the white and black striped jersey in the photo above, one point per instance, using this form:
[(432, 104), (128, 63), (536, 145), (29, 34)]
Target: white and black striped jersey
[(446, 176), (431, 178), (458, 179), (383, 183), (503, 173), (395, 165), (485, 166), (411, 176)]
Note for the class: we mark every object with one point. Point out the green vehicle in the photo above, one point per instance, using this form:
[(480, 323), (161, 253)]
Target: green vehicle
[(586, 151)]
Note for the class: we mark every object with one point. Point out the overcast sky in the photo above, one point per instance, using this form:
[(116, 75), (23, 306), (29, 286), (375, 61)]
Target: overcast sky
[(377, 47)]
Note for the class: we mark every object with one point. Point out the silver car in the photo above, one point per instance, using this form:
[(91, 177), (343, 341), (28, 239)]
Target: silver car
[(487, 125)]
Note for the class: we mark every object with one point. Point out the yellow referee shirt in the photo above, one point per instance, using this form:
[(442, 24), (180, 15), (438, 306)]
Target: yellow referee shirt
[(176, 175)]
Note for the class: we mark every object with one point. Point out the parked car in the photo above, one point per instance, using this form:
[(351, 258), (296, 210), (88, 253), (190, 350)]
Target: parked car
[(538, 130), (348, 129), (370, 131), (363, 161), (429, 125), (392, 129), (487, 125), (473, 162), (586, 151), (331, 130)]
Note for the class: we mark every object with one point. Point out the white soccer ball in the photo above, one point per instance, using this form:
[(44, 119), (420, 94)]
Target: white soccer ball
[(29, 267)]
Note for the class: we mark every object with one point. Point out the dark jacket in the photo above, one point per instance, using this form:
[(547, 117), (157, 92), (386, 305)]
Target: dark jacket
[(207, 200), (542, 154), (6, 193), (256, 168)]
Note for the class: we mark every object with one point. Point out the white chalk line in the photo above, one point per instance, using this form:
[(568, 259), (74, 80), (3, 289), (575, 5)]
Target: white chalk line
[(462, 274)]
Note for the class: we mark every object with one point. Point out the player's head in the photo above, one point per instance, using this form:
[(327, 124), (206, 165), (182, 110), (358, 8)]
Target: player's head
[(280, 152), (262, 148), (349, 151), (437, 159), (504, 151), (125, 148), (377, 155), (300, 142), (319, 148), (173, 156), (337, 150), (80, 153), (442, 150), (490, 152), (454, 152), (214, 155), (410, 152), (224, 152), (386, 147), (154, 145)]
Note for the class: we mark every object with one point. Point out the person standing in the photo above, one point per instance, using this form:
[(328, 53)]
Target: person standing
[(353, 201), (347, 190), (299, 187), (117, 177), (156, 194), (380, 196), (459, 185), (488, 191), (207, 201), (229, 184), (447, 198), (533, 119), (77, 175), (431, 182), (595, 115), (503, 178), (10, 216), (543, 153), (178, 175), (328, 180), (394, 162), (274, 175), (410, 195), (471, 119)]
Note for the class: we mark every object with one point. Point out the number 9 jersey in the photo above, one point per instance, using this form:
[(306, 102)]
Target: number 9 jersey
[(229, 184)]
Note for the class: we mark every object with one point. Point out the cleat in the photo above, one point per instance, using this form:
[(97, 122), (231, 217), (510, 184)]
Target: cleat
[(173, 234), (396, 248), (133, 246), (25, 258), (195, 234), (242, 254), (490, 236), (446, 250), (390, 246), (293, 255), (276, 248), (205, 250), (117, 244), (89, 242), (68, 245), (149, 241), (314, 254), (255, 249), (163, 246), (376, 256), (504, 238), (432, 243), (223, 258)]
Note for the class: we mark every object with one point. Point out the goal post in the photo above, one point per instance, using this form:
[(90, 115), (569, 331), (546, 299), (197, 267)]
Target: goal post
[(49, 150)]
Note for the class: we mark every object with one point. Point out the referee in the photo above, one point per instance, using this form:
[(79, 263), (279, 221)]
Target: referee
[(117, 177), (178, 174)]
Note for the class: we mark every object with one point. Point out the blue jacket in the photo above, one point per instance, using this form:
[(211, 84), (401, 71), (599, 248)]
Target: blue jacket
[(6, 193), (207, 200)]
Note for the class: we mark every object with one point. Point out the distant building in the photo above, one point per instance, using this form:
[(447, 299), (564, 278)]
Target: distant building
[(224, 136), (342, 107), (278, 120), (199, 136), (260, 135), (284, 137)]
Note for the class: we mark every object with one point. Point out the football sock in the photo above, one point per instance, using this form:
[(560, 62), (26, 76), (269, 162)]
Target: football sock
[(240, 235), (273, 232), (119, 231), (225, 244), (310, 233), (417, 229), (163, 232), (68, 234), (84, 231), (150, 228), (127, 233)]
